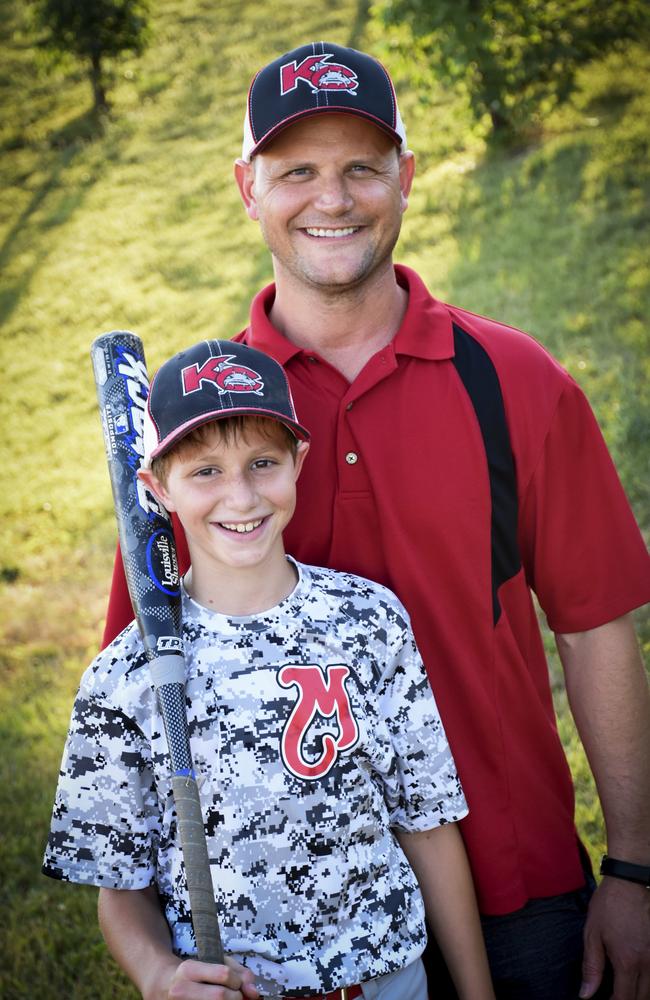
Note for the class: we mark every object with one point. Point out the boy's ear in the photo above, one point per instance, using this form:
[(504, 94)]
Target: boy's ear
[(301, 455), (155, 486)]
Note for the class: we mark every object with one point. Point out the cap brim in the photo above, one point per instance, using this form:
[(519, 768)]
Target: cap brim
[(301, 433), (399, 140)]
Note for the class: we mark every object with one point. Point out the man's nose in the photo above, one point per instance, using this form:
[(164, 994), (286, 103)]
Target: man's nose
[(334, 196)]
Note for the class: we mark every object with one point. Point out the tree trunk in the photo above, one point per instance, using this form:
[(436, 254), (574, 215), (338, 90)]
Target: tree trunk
[(502, 130), (97, 81), (500, 123)]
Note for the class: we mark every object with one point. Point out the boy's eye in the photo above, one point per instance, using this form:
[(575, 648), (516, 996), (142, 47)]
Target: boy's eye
[(263, 463), (206, 472)]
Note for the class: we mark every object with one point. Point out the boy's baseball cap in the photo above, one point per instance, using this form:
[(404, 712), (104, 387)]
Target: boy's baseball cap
[(212, 380), (315, 78)]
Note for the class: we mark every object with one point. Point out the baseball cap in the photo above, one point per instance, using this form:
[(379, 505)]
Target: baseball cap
[(317, 77), (212, 380)]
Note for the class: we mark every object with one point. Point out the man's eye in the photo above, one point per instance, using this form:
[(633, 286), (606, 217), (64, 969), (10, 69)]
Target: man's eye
[(299, 172)]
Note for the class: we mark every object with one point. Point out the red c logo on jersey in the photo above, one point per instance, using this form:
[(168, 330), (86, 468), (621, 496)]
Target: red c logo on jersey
[(326, 695), (317, 74)]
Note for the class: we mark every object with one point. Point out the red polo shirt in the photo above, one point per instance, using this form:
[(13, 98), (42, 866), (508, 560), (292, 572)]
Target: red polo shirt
[(396, 488)]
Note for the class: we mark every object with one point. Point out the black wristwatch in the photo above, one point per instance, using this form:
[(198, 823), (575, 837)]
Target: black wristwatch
[(625, 870)]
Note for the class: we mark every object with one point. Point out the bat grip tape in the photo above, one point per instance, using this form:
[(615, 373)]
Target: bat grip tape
[(197, 870), (168, 669)]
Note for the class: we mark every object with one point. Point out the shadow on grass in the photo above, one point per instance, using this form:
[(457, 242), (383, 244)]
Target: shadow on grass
[(359, 25), (49, 937), (25, 238), (87, 127)]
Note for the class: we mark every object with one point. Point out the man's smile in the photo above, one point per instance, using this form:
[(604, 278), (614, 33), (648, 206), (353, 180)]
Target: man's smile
[(335, 233)]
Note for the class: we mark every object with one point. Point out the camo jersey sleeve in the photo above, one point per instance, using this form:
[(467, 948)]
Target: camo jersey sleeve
[(105, 821)]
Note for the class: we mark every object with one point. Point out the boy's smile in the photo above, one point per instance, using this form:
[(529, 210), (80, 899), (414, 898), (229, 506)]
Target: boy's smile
[(234, 500), (247, 528)]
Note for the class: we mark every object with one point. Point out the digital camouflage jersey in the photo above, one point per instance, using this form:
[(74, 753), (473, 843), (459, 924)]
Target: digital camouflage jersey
[(314, 733)]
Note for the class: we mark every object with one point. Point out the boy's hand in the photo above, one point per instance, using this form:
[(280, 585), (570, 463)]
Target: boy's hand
[(136, 932), (193, 980)]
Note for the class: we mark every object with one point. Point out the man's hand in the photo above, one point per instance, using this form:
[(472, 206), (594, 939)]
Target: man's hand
[(194, 980), (608, 693), (618, 927)]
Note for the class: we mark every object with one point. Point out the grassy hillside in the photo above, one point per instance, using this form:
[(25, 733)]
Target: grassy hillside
[(136, 223)]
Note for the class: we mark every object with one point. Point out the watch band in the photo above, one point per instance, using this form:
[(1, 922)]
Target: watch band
[(625, 870)]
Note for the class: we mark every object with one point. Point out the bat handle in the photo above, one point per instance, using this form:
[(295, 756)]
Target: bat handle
[(195, 856), (168, 675)]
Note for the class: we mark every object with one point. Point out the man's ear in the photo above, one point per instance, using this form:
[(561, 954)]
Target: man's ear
[(155, 486), (245, 178), (406, 175)]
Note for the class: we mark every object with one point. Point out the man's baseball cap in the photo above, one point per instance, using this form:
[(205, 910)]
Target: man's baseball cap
[(314, 78), (212, 380)]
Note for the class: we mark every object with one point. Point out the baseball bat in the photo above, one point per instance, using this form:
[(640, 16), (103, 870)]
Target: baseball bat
[(151, 568)]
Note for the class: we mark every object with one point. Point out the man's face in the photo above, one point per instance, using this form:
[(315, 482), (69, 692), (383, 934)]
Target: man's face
[(329, 194)]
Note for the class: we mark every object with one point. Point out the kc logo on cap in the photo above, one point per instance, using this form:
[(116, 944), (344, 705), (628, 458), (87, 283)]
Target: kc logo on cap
[(318, 74), (221, 371)]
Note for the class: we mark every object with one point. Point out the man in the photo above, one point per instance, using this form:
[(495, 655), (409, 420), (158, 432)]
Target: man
[(456, 462)]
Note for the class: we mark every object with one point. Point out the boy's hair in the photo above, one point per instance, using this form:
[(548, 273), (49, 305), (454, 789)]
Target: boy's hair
[(231, 430)]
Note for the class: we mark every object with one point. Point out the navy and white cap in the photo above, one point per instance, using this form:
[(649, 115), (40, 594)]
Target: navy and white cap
[(314, 78), (212, 380)]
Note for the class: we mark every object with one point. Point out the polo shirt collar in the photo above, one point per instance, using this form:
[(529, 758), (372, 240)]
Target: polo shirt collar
[(425, 332), (261, 333)]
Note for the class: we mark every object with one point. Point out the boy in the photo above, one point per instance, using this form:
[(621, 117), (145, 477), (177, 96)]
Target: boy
[(322, 761)]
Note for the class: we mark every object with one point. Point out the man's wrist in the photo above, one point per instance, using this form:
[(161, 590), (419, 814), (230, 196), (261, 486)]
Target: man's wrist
[(626, 870)]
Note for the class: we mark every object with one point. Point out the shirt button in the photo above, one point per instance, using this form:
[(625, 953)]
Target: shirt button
[(349, 406), (351, 457)]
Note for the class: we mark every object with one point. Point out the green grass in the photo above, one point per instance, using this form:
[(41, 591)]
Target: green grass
[(135, 222)]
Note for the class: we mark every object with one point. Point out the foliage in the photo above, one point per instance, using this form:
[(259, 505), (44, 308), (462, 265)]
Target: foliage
[(94, 30), (516, 58)]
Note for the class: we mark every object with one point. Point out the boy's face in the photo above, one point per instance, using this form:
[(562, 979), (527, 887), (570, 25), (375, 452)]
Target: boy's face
[(233, 499)]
